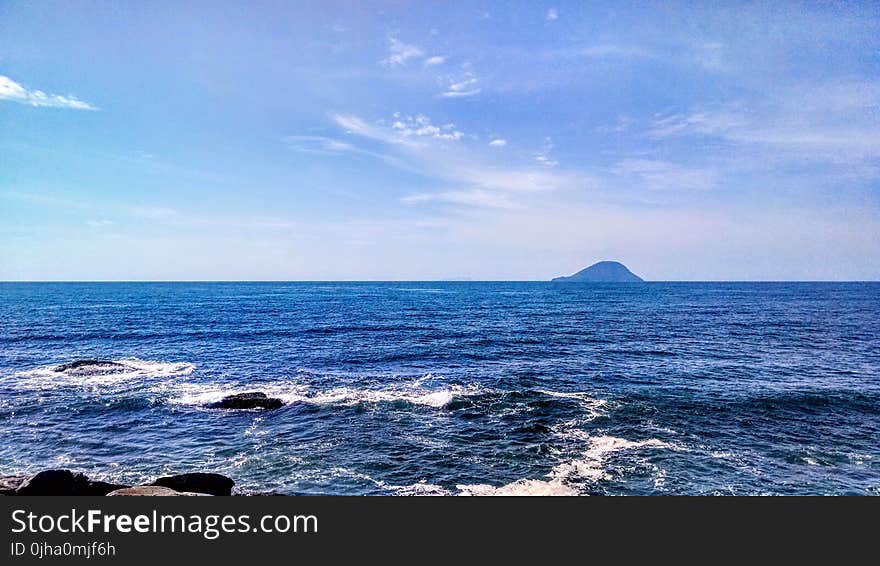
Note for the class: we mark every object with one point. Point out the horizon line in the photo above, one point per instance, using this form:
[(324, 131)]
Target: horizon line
[(457, 280)]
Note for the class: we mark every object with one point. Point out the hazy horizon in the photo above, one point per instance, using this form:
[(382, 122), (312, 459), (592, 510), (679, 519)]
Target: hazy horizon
[(493, 141)]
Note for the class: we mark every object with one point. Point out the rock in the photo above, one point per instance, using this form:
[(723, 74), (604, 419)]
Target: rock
[(198, 482), (8, 484), (103, 488), (253, 400), (64, 482), (55, 482), (150, 490), (602, 272), (91, 367)]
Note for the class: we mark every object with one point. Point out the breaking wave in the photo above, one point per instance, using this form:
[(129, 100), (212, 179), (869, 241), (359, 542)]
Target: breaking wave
[(104, 373), (566, 479), (339, 396)]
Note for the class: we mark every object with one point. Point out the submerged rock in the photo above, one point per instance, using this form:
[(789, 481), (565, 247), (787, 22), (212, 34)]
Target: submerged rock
[(253, 400), (198, 482), (91, 367), (64, 482), (151, 491)]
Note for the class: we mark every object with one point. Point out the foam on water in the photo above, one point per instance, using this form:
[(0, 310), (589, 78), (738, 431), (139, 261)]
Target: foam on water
[(415, 394), (129, 369), (592, 406), (565, 478)]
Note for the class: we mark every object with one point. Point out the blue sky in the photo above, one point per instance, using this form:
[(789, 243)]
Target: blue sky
[(401, 140)]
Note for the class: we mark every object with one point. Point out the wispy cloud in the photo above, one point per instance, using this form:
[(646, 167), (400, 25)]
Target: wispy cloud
[(479, 179), (552, 15), (328, 146), (498, 142), (462, 87), (702, 123), (11, 90), (358, 126), (316, 144), (543, 157), (399, 53), (833, 122), (657, 174), (435, 60), (471, 198)]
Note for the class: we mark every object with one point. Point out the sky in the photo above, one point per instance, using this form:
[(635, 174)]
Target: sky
[(439, 140)]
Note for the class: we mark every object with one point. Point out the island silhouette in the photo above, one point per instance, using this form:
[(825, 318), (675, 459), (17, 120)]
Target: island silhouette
[(602, 272)]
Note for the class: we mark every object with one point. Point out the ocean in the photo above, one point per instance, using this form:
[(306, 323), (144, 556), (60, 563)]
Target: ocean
[(451, 388)]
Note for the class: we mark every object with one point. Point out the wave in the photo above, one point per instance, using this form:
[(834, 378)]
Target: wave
[(123, 370), (290, 393), (568, 478)]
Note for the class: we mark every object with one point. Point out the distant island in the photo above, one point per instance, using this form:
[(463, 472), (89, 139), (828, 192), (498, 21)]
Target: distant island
[(602, 272)]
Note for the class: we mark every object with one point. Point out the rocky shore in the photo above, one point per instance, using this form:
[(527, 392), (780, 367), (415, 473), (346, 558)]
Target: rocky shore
[(67, 482)]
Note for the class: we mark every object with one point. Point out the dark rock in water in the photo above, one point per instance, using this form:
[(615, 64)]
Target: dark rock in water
[(64, 482), (198, 482), (150, 491), (602, 272), (8, 484), (254, 400), (55, 482), (91, 367)]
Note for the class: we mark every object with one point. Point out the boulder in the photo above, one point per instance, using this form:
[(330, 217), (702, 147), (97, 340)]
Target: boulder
[(198, 482), (102, 488), (253, 400), (151, 491), (64, 482)]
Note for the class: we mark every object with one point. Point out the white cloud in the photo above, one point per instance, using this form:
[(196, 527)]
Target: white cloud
[(475, 198), (399, 53), (316, 144), (498, 142), (356, 125), (421, 126), (552, 15), (465, 86), (435, 60), (477, 178), (656, 174), (833, 123), (543, 157), (704, 123), (11, 90)]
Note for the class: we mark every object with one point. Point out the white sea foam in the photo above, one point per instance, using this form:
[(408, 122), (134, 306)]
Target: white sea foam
[(129, 369), (520, 488), (422, 489), (414, 394), (565, 477), (592, 406)]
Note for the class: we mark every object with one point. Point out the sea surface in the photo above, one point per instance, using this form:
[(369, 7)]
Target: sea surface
[(451, 388)]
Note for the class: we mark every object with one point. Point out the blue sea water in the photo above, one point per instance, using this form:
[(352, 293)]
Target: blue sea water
[(451, 388)]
